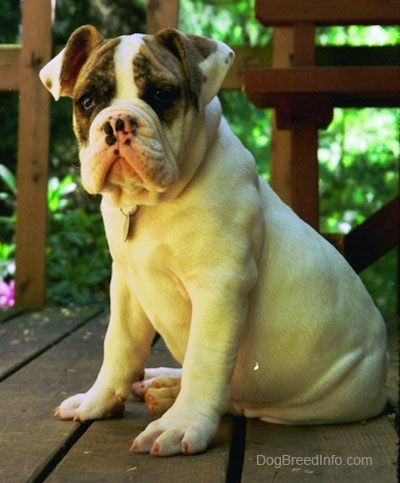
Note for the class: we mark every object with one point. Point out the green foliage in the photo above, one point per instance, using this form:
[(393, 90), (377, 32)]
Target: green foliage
[(10, 182), (231, 22), (355, 35), (359, 173), (8, 193), (359, 166), (255, 132), (57, 196), (78, 263), (7, 265), (129, 17), (10, 15)]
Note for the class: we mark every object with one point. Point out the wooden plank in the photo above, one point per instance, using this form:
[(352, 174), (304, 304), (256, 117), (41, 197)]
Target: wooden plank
[(30, 437), (8, 313), (345, 452), (33, 143), (337, 12), (24, 338), (375, 237), (347, 86), (102, 453), (160, 15), (9, 67), (247, 57)]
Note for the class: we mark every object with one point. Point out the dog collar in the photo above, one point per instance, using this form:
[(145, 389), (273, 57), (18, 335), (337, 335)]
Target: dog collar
[(126, 231)]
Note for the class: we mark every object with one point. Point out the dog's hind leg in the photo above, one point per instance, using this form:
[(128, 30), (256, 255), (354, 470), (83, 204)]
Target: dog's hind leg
[(159, 388)]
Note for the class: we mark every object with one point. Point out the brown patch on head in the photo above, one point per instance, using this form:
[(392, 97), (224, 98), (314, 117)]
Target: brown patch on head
[(171, 71), (191, 50), (160, 82), (95, 87)]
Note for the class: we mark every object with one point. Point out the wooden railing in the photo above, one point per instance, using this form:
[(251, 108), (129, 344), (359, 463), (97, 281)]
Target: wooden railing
[(19, 67), (304, 95)]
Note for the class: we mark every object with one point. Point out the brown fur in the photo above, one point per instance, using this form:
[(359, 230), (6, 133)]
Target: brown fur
[(97, 77)]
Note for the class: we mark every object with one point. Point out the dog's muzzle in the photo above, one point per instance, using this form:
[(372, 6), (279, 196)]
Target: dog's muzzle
[(127, 149)]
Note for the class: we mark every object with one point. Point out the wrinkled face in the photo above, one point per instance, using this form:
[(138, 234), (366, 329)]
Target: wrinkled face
[(126, 105), (133, 98)]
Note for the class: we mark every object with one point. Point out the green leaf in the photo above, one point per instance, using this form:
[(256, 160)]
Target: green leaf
[(8, 178)]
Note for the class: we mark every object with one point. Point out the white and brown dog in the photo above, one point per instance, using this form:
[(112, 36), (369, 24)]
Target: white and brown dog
[(267, 319)]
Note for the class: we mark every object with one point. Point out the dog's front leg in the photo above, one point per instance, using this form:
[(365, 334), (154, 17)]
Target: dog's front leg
[(126, 348), (218, 315)]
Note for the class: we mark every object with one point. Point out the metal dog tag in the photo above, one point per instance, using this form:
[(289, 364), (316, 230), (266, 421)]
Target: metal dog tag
[(127, 223)]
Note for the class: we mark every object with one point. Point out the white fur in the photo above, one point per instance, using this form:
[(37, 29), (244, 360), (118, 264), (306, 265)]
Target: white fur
[(126, 88), (50, 73)]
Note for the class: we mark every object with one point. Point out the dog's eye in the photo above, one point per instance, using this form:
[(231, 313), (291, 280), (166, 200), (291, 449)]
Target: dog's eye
[(162, 98), (166, 94), (161, 95), (87, 102)]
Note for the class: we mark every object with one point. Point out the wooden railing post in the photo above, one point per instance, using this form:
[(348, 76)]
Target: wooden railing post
[(33, 142), (161, 15), (281, 139)]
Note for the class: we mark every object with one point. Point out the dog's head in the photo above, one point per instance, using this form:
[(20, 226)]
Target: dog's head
[(134, 100)]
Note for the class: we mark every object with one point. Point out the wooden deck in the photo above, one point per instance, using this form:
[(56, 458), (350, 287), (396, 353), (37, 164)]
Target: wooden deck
[(47, 355)]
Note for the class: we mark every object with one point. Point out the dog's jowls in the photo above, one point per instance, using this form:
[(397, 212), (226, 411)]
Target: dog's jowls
[(266, 318)]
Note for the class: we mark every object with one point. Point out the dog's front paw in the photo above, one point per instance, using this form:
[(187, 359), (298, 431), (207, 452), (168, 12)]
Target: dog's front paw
[(176, 432), (91, 405)]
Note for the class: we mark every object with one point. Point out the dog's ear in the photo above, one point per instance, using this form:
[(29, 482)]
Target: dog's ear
[(205, 62), (60, 74)]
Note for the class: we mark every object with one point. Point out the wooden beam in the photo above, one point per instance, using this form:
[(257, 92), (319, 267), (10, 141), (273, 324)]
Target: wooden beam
[(304, 44), (9, 67), (348, 86), (375, 237), (246, 56), (33, 141), (337, 12), (160, 15)]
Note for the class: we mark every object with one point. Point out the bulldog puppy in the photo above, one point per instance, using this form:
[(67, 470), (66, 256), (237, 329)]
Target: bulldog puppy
[(267, 318)]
